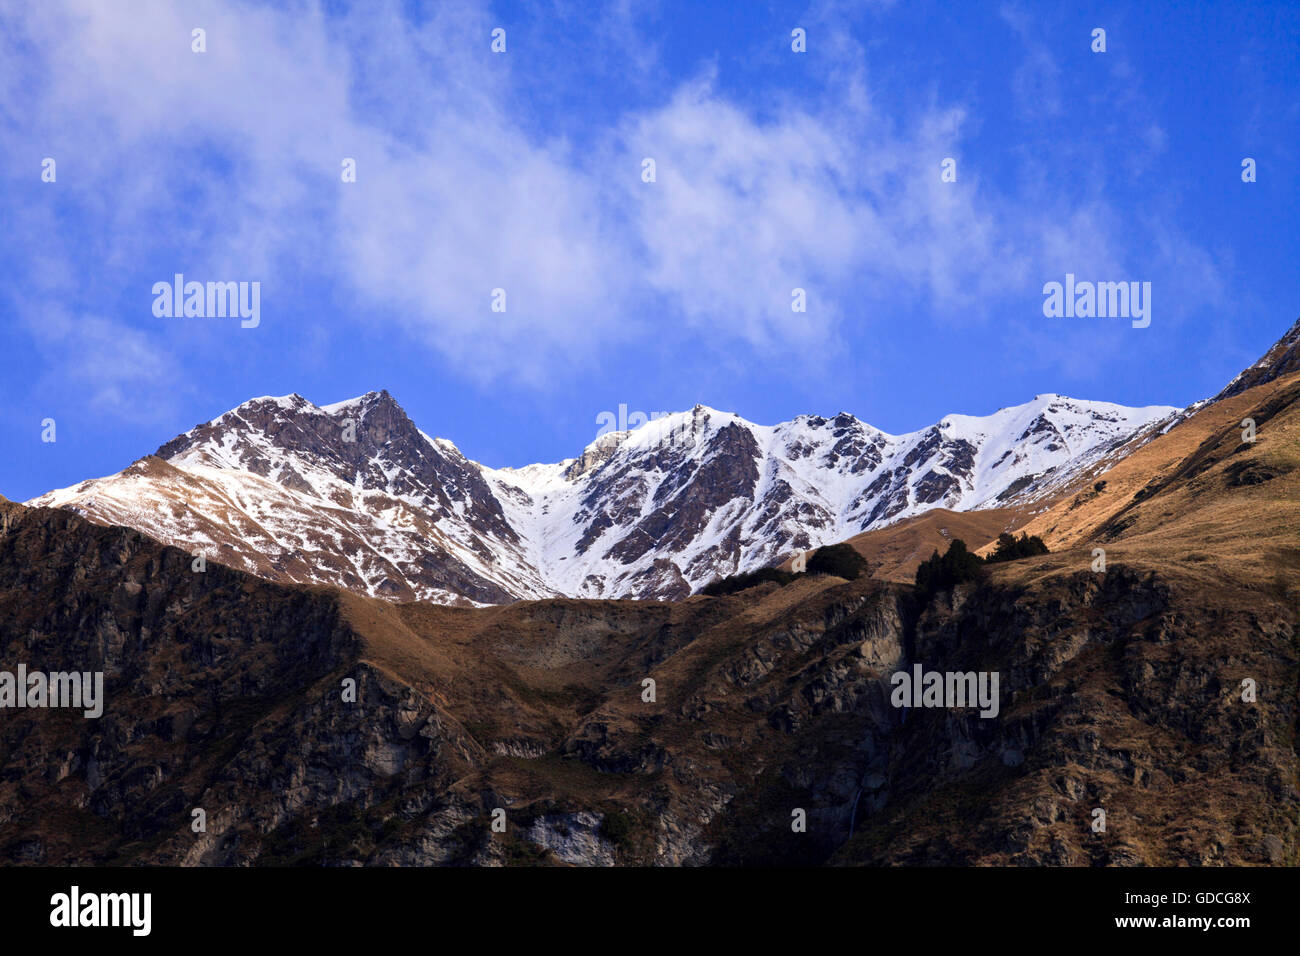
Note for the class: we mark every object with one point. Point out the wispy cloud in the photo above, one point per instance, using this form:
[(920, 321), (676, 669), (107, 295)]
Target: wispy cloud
[(229, 162)]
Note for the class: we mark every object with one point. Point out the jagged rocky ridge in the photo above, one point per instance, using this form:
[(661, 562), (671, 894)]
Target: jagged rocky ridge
[(354, 494)]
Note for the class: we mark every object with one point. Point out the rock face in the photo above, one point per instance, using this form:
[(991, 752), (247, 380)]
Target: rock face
[(289, 440), (1111, 684), (356, 496)]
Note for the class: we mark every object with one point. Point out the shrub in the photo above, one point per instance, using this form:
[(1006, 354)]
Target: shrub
[(616, 827), (739, 582), (943, 573), (1011, 548), (841, 560)]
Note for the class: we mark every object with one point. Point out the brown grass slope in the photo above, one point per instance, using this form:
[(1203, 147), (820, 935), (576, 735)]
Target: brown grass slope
[(1124, 509), (894, 553)]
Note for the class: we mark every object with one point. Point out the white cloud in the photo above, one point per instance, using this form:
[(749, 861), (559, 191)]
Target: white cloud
[(230, 161)]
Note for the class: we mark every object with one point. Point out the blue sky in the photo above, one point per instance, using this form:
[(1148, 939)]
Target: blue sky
[(522, 171)]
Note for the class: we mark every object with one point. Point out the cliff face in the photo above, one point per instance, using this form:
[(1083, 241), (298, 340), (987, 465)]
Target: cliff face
[(191, 662), (1123, 692)]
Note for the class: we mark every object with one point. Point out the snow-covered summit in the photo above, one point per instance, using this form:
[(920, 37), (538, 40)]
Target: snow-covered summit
[(353, 493)]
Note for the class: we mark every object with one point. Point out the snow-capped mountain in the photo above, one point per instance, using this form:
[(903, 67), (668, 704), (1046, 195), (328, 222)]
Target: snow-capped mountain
[(354, 494)]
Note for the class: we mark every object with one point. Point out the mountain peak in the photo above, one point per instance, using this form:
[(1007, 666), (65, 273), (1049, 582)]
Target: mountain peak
[(370, 400), (291, 402), (1282, 358), (342, 437)]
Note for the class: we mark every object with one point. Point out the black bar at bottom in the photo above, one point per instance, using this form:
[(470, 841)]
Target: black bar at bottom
[(379, 906)]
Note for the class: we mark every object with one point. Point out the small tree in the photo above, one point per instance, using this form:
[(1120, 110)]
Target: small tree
[(958, 564)]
